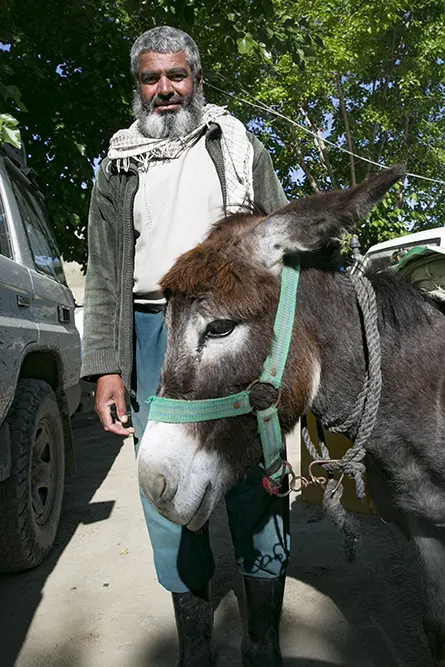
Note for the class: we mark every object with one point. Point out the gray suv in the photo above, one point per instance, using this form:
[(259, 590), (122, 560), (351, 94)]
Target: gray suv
[(39, 370)]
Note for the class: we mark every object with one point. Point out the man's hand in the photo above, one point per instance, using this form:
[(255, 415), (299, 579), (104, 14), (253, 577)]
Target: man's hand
[(111, 391)]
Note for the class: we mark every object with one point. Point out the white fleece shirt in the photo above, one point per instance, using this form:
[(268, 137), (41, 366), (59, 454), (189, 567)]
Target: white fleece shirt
[(176, 203)]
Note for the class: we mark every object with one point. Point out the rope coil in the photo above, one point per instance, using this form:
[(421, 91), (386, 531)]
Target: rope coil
[(359, 425)]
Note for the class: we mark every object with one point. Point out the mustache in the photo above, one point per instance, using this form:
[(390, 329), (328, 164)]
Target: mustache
[(159, 101)]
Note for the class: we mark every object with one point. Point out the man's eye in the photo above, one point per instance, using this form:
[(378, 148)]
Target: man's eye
[(220, 328)]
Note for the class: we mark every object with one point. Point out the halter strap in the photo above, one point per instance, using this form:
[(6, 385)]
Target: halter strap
[(178, 411)]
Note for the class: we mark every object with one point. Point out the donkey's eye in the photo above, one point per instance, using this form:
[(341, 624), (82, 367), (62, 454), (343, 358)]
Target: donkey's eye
[(220, 328)]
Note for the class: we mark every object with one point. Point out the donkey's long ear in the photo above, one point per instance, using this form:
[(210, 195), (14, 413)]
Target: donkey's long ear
[(309, 224)]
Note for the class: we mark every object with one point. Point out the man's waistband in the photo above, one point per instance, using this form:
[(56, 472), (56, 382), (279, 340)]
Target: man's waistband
[(148, 307), (151, 302)]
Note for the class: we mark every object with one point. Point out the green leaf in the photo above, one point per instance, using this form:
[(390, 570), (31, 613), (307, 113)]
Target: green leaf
[(267, 56), (13, 92), (6, 69), (10, 135), (9, 120), (245, 44)]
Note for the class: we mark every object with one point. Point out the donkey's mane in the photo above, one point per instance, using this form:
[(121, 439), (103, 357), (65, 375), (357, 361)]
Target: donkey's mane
[(401, 304), (236, 224)]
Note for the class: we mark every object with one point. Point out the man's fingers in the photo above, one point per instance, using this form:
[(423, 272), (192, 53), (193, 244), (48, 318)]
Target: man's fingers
[(119, 429), (104, 412), (111, 406), (110, 424), (121, 408)]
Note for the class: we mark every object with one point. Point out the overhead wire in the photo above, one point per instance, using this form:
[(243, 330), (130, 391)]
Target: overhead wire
[(264, 107)]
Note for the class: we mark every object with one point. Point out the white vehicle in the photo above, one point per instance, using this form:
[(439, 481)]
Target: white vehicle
[(383, 255)]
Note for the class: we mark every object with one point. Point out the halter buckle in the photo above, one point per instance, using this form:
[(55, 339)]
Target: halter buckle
[(260, 402), (273, 486)]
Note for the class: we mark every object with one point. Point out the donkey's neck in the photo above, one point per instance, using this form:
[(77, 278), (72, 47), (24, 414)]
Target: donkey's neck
[(328, 320)]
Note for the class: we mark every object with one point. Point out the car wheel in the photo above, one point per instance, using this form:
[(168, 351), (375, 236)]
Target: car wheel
[(31, 498)]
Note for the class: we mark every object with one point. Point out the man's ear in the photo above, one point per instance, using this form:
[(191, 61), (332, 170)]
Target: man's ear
[(200, 81), (309, 224)]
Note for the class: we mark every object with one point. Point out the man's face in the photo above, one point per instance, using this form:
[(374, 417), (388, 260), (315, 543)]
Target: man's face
[(168, 102), (166, 80)]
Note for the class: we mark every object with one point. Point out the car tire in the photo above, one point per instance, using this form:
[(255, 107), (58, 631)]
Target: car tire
[(31, 498)]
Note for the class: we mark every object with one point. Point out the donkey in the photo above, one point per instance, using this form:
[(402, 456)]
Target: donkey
[(222, 297)]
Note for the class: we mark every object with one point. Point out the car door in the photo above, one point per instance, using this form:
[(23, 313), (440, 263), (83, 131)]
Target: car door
[(17, 326), (53, 302)]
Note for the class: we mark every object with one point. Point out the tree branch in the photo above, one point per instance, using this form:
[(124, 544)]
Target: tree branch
[(405, 136), (377, 127), (382, 146), (324, 156), (299, 155), (374, 131), (400, 196), (347, 129)]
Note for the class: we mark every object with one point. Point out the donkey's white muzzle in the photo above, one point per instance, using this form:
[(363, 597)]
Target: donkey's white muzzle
[(177, 475)]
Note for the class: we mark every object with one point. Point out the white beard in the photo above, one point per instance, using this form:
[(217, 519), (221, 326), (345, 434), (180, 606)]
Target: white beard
[(170, 124)]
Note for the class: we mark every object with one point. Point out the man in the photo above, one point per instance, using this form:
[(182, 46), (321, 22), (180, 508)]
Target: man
[(166, 180)]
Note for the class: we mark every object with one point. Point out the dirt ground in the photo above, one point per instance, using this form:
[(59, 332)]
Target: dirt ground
[(95, 602)]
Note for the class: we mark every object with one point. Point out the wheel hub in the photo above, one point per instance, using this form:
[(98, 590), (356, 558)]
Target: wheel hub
[(43, 471)]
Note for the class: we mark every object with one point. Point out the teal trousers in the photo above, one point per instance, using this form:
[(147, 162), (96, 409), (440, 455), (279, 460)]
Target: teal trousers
[(258, 522)]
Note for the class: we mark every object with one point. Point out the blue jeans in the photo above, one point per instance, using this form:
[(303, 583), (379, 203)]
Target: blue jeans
[(258, 522)]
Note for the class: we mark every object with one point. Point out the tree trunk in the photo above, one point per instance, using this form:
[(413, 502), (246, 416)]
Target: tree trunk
[(347, 130), (299, 155), (327, 160), (375, 128), (319, 142), (400, 196)]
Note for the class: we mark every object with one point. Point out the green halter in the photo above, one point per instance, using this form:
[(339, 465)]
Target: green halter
[(182, 411)]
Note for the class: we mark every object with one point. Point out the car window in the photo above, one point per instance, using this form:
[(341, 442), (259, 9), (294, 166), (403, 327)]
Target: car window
[(43, 247), (5, 245)]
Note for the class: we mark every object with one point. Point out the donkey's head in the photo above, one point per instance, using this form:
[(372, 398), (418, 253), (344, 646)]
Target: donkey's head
[(222, 297)]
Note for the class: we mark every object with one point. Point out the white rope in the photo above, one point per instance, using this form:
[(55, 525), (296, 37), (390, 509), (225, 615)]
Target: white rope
[(264, 107)]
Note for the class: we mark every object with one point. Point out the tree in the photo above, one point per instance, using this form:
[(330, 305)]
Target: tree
[(375, 86), (367, 77), (69, 62)]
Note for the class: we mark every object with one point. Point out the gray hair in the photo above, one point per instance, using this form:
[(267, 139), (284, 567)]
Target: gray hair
[(166, 40)]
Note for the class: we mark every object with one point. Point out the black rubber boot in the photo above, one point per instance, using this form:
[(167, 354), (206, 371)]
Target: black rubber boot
[(264, 600), (194, 621)]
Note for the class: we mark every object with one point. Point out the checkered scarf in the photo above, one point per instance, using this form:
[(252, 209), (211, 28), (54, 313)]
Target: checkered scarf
[(237, 151)]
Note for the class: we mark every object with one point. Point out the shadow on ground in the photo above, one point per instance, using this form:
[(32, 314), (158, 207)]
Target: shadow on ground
[(377, 600), (20, 593), (379, 595), (362, 615)]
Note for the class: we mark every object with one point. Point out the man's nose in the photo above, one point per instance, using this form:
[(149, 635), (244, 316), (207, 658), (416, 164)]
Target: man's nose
[(165, 87)]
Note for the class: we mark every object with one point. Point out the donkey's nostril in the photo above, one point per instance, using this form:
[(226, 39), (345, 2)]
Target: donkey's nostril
[(159, 487)]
